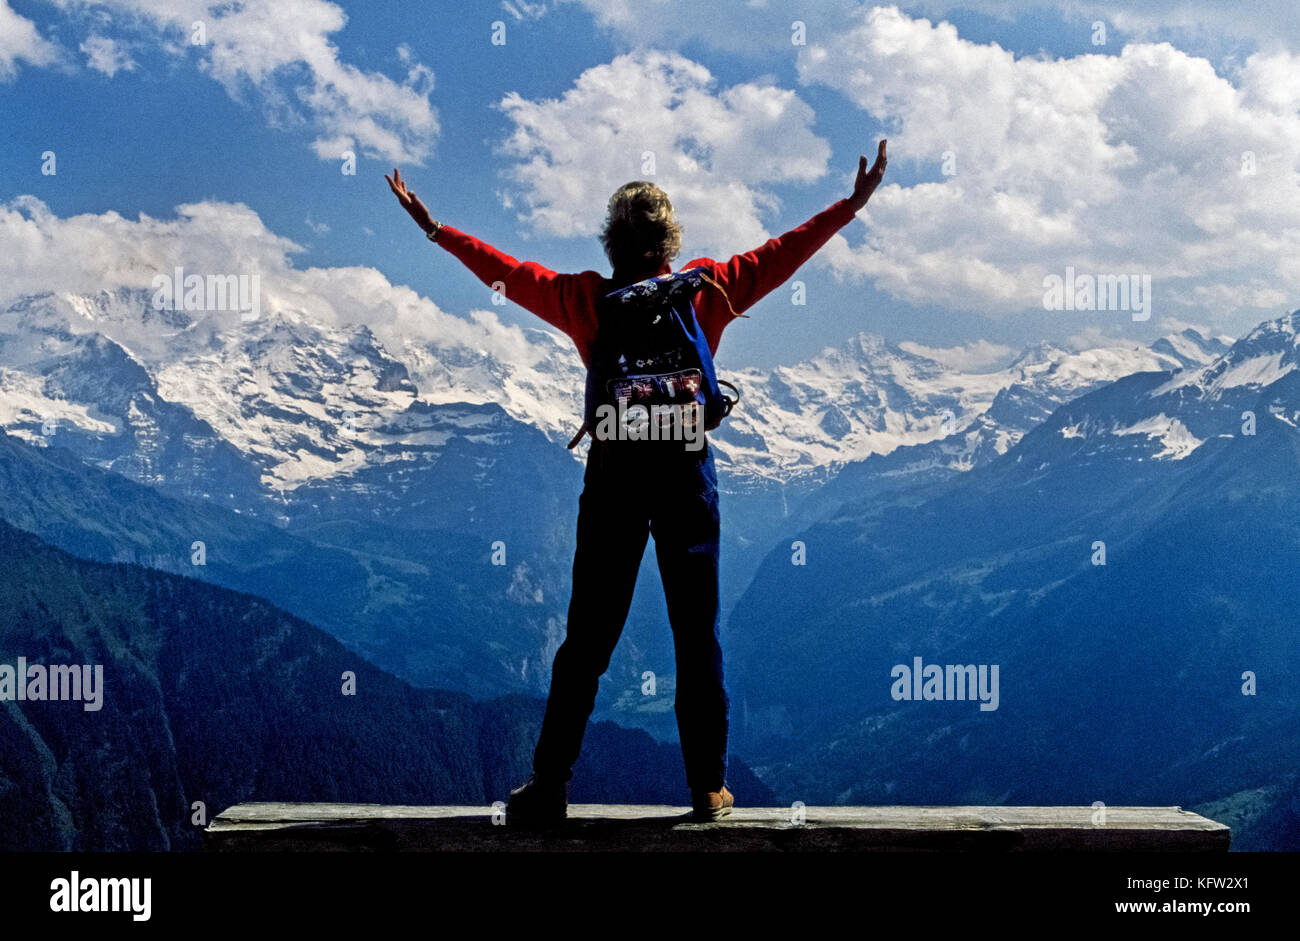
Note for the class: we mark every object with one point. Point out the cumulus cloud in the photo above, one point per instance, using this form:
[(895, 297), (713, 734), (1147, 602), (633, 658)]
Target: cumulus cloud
[(90, 253), (1269, 25), (760, 27), (1146, 162), (20, 42), (980, 356), (661, 117), (279, 52), (533, 373)]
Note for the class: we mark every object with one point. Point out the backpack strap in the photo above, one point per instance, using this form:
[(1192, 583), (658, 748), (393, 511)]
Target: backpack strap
[(582, 431), (723, 290), (728, 402)]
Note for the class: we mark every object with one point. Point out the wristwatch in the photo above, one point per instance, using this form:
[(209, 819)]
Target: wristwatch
[(432, 234)]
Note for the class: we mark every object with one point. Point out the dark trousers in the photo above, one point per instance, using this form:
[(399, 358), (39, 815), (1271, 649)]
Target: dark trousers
[(631, 491)]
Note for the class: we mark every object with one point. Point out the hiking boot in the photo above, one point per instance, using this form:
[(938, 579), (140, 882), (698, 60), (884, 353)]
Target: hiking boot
[(710, 805), (538, 801)]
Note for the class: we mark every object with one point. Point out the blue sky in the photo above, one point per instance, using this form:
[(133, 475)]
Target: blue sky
[(1062, 158)]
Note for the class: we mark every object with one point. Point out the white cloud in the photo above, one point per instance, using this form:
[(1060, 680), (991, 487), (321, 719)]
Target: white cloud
[(757, 26), (280, 52), (524, 10), (979, 356), (1110, 164), (714, 151), (1270, 24), (20, 42), (91, 253), (106, 55), (87, 253), (534, 374)]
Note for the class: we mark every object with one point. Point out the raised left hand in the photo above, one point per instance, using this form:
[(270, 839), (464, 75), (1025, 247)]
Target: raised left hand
[(868, 180)]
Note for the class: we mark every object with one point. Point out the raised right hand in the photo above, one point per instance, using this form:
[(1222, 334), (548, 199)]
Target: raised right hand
[(868, 180)]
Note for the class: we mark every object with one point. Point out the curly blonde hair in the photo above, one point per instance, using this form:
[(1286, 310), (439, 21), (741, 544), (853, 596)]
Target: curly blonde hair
[(640, 228)]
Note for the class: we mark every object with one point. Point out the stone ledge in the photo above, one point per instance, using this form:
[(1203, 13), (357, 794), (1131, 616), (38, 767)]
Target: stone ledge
[(275, 827)]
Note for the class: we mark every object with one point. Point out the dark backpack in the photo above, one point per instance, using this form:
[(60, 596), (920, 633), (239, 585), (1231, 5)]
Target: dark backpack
[(650, 363)]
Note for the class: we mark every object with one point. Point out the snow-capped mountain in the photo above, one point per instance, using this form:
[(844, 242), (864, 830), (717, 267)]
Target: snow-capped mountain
[(872, 398), (276, 402), (1257, 360), (246, 411), (1167, 417)]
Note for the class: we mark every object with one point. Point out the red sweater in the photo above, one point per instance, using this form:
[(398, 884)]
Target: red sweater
[(568, 301)]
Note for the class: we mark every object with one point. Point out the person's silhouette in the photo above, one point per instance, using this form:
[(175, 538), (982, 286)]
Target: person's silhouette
[(631, 492)]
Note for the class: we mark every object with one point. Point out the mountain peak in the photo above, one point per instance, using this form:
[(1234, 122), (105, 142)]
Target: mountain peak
[(1285, 328), (1034, 354), (1257, 360)]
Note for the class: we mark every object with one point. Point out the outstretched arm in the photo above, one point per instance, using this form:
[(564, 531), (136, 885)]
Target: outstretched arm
[(749, 276), (527, 283)]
